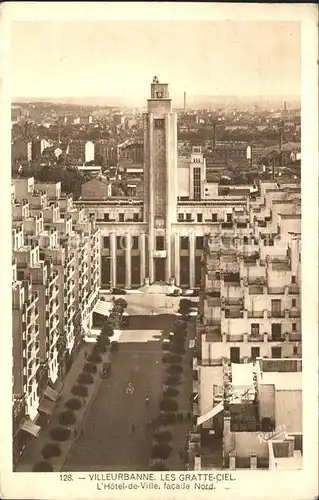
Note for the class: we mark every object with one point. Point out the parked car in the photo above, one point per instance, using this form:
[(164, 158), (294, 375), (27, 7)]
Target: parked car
[(118, 291)]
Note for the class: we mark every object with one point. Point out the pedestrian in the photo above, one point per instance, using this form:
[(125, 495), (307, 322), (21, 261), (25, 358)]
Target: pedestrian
[(75, 433), (181, 453), (85, 354), (133, 428)]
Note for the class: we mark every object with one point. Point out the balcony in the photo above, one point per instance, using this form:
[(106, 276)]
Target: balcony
[(295, 337), (255, 314), (256, 290), (257, 337), (294, 289), (239, 337), (294, 313), (276, 290), (233, 313), (276, 314), (227, 225)]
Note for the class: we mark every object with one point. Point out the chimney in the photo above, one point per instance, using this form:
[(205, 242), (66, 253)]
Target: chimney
[(184, 102), (214, 135)]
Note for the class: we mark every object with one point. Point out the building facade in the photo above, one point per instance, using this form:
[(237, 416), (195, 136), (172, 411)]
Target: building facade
[(55, 286)]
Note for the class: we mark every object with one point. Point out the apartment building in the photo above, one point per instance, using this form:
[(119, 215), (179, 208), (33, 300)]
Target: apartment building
[(250, 310), (81, 151), (56, 279), (255, 420)]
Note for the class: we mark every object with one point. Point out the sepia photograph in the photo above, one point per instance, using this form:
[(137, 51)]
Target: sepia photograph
[(157, 249)]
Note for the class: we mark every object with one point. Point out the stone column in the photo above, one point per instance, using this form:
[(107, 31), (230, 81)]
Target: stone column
[(128, 261), (113, 258), (168, 262), (142, 258), (177, 259), (192, 260)]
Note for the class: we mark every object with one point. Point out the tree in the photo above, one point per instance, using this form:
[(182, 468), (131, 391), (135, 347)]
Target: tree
[(170, 392), (172, 379), (60, 434), (161, 451), (174, 369), (73, 404), (95, 358), (172, 358), (121, 302), (117, 309), (43, 467), (67, 418), (107, 330), (158, 466), (85, 378), (51, 450), (168, 404), (80, 390), (89, 368), (163, 436)]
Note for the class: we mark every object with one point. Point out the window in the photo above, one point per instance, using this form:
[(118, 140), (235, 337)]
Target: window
[(199, 217), (159, 242), (188, 217), (214, 217), (135, 218), (199, 242), (106, 242), (106, 217), (134, 242), (197, 184), (229, 217), (254, 328), (180, 217), (159, 124), (294, 327), (295, 349), (255, 352), (184, 243), (121, 217), (293, 303), (293, 279), (276, 331), (119, 243), (276, 352)]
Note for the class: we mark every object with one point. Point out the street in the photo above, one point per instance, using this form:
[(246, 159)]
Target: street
[(108, 441)]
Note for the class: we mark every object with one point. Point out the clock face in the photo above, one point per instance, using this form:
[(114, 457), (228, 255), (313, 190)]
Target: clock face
[(159, 94)]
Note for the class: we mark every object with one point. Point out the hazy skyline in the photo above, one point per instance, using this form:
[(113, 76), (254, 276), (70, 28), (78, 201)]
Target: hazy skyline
[(119, 58)]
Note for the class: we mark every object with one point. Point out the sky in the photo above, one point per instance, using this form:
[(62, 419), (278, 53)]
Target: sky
[(120, 58)]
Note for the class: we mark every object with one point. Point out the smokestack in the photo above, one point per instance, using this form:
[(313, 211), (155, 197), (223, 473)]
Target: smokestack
[(273, 167), (184, 102), (214, 135), (285, 106)]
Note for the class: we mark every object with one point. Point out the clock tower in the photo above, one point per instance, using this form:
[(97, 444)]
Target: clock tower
[(160, 177)]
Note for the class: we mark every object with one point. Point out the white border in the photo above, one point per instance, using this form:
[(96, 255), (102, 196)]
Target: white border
[(257, 484)]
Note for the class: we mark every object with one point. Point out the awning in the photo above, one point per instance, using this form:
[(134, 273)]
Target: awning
[(46, 406), (102, 307), (57, 385), (51, 394), (211, 413), (31, 428)]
